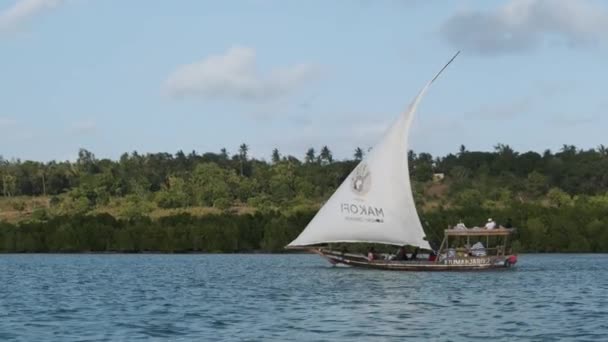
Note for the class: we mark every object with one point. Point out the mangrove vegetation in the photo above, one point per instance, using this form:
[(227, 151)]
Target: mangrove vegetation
[(218, 202)]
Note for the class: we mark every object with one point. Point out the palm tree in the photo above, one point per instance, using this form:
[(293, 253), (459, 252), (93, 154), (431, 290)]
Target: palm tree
[(276, 156), (310, 156), (42, 174), (462, 150), (602, 150), (503, 149), (243, 149), (9, 185), (325, 155), (569, 149), (358, 153), (411, 157), (223, 154)]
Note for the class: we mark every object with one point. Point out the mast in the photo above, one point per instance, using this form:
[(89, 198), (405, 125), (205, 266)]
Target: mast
[(445, 66)]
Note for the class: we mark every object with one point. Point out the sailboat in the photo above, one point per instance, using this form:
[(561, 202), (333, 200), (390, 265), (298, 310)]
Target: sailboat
[(375, 204)]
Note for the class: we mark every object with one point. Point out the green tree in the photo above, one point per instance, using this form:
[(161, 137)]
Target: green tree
[(133, 206), (325, 157), (536, 183), (602, 150), (76, 203), (568, 149), (358, 153), (9, 185), (276, 156), (209, 184), (223, 154), (423, 167), (504, 150), (558, 198), (469, 198), (243, 150), (462, 150), (283, 182), (42, 174), (174, 194), (86, 161), (310, 156), (534, 235)]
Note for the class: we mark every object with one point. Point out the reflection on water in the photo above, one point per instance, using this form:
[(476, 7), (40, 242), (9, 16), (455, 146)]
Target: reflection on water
[(296, 297)]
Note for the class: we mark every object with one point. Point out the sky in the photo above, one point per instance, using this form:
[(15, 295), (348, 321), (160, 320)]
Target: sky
[(116, 76)]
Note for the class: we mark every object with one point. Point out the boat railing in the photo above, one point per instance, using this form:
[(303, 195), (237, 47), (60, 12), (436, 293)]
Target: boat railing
[(479, 232), (497, 250), (494, 245)]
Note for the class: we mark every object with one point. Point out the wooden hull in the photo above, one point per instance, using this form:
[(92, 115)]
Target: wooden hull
[(454, 264)]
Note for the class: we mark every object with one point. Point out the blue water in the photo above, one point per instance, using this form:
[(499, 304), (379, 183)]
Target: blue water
[(296, 297)]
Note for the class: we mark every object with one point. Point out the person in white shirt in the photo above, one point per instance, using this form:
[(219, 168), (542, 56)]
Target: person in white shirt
[(478, 249), (491, 224), (460, 226), (370, 254)]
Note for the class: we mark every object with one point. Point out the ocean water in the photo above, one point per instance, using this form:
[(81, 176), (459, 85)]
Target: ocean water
[(296, 298)]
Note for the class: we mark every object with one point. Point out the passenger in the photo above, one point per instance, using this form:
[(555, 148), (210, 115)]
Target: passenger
[(467, 248), (460, 226), (370, 254), (401, 255), (491, 224), (508, 224), (478, 250), (415, 254), (432, 256)]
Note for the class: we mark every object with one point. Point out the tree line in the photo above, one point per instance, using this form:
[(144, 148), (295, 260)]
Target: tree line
[(174, 180), (227, 233), (559, 200), (573, 170), (577, 227)]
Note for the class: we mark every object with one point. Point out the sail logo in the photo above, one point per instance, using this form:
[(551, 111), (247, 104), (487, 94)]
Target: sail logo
[(361, 209), (361, 180), (362, 213)]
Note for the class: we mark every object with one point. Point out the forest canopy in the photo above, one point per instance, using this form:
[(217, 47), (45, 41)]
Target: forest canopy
[(558, 200)]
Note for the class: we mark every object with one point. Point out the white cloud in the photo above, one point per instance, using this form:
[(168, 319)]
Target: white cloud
[(235, 75), (23, 10), (523, 25)]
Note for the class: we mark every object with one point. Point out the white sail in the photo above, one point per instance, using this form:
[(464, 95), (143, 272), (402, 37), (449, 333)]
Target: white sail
[(375, 203)]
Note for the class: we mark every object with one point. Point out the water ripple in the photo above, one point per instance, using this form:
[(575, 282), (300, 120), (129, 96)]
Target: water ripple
[(295, 297)]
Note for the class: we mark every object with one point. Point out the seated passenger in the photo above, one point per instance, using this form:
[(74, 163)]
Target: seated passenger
[(478, 250), (370, 254), (401, 255), (491, 224), (415, 254), (460, 226)]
